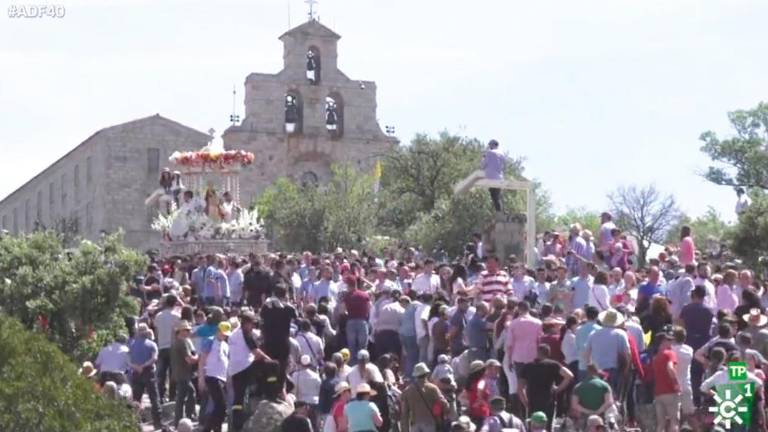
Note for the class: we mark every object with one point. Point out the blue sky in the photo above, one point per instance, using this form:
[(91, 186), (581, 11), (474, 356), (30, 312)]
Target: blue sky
[(594, 94)]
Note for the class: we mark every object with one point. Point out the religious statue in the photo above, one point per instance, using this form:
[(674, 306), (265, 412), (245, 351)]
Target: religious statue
[(213, 206), (312, 67), (230, 209), (162, 198), (176, 187)]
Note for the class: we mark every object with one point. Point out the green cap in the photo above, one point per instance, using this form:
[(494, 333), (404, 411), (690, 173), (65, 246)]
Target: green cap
[(539, 418)]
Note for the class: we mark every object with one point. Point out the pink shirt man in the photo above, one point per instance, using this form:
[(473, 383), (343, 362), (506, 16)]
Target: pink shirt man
[(686, 253), (726, 298), (523, 338)]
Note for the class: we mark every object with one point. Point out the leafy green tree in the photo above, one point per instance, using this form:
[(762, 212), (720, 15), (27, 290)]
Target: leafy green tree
[(321, 218), (588, 219), (645, 213), (350, 208), (42, 391), (707, 228), (415, 177), (78, 297), (742, 159), (293, 215), (747, 238)]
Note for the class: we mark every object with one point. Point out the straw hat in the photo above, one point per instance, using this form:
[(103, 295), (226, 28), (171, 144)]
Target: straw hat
[(595, 420), (476, 366), (340, 388), (755, 318), (87, 370), (420, 370), (611, 318), (364, 388), (183, 325)]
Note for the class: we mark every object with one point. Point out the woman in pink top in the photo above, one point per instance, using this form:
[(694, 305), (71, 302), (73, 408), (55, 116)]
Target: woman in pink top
[(726, 298), (686, 251)]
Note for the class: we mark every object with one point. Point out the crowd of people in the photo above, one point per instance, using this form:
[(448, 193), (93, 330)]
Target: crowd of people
[(351, 342)]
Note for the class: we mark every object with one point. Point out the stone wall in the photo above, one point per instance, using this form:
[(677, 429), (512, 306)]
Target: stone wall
[(110, 194), (506, 236)]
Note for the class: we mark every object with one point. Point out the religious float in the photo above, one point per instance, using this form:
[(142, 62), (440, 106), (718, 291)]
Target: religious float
[(198, 205)]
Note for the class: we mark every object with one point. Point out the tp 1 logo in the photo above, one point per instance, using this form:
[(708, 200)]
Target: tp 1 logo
[(734, 399)]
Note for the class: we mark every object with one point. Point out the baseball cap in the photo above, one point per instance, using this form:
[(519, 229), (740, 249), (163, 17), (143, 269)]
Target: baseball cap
[(225, 328), (539, 417)]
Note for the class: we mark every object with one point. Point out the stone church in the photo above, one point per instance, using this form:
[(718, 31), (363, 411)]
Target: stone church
[(298, 122)]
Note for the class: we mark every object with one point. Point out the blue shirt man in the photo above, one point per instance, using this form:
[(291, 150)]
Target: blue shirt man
[(582, 336), (142, 350), (216, 284), (580, 287), (324, 288), (197, 280), (494, 162)]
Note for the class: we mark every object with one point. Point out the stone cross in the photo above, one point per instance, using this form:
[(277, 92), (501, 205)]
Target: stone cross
[(311, 4)]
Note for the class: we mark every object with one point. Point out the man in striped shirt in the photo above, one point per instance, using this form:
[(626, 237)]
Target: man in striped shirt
[(493, 281)]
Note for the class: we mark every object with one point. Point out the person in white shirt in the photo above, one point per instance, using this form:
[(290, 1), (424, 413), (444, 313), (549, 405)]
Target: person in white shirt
[(386, 329), (113, 361), (541, 286), (426, 281), (616, 279), (216, 365), (310, 344), (165, 323), (235, 278), (683, 368), (306, 383), (598, 293), (382, 283), (342, 368), (422, 325), (522, 284), (363, 372), (245, 358), (703, 272)]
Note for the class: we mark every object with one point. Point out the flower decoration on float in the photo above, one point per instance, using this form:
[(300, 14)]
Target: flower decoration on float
[(213, 160)]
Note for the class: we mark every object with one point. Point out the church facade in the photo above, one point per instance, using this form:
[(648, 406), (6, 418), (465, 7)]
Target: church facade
[(298, 122), (310, 115)]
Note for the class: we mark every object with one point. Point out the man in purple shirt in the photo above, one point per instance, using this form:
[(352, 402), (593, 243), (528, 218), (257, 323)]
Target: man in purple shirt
[(494, 162)]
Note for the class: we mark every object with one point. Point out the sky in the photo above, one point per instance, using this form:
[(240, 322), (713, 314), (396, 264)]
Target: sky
[(593, 94)]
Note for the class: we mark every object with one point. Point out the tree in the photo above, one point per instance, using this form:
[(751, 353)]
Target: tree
[(741, 160), (418, 179), (417, 176), (588, 219), (42, 391), (645, 213), (78, 297), (320, 218), (747, 238), (709, 230), (293, 215)]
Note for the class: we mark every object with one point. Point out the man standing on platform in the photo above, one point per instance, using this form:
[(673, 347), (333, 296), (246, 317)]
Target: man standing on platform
[(494, 163)]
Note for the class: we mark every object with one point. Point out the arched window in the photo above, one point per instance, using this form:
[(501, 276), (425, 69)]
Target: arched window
[(293, 112), (309, 179), (313, 65), (334, 115)]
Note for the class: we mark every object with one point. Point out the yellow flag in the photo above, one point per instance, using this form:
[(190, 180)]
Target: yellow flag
[(377, 170)]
